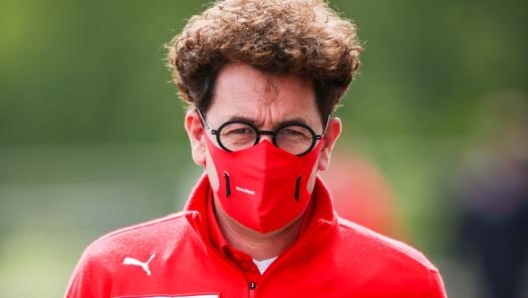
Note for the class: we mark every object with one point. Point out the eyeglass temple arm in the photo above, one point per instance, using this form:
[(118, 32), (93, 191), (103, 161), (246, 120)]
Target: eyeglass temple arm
[(202, 118)]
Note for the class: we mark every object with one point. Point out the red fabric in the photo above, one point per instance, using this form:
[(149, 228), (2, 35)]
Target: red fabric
[(332, 258), (267, 188)]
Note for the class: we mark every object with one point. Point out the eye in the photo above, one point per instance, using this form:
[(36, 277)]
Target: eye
[(295, 132), (292, 131), (244, 130), (237, 129), (237, 135)]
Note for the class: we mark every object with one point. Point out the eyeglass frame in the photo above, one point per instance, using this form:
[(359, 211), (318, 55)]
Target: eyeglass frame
[(273, 133)]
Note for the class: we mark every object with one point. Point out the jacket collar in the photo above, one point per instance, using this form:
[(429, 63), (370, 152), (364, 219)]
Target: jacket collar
[(199, 212)]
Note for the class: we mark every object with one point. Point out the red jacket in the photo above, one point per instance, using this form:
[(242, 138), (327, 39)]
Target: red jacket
[(181, 256)]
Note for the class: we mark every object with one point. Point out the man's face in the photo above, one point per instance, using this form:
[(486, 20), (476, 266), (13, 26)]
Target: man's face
[(265, 100)]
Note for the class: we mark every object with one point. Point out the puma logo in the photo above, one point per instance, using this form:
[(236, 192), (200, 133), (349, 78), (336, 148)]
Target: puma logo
[(143, 265)]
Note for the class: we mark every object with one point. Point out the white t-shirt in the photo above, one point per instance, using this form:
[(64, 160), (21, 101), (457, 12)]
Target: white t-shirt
[(264, 264)]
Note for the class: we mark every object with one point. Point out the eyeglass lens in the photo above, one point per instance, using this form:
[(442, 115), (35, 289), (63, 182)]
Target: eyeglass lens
[(295, 139)]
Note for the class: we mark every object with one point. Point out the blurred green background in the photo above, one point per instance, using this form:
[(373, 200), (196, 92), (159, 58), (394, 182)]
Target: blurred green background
[(92, 138)]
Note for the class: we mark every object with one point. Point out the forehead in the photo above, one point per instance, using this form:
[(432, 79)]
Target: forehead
[(241, 90)]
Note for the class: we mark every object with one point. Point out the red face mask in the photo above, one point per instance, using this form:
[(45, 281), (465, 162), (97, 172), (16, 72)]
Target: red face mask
[(263, 187)]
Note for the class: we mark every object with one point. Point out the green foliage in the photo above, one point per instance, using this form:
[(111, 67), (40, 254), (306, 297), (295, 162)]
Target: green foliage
[(93, 71)]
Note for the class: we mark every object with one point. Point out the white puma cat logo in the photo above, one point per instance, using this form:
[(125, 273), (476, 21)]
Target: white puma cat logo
[(135, 262)]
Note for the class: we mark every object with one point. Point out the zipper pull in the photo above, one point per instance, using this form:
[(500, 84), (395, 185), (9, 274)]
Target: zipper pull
[(252, 287)]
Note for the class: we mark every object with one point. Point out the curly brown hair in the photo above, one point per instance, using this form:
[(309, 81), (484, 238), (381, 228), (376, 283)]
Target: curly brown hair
[(302, 37)]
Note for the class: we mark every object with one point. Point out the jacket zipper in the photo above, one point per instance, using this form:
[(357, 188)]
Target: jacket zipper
[(252, 287)]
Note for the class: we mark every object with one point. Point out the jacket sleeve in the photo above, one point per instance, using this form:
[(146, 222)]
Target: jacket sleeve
[(437, 289), (89, 279)]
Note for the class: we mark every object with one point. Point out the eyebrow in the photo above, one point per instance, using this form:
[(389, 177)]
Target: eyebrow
[(255, 123)]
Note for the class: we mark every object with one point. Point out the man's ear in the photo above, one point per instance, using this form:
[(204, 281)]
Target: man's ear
[(333, 130), (195, 131)]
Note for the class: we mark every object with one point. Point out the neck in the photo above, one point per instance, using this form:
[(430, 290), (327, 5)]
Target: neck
[(258, 245)]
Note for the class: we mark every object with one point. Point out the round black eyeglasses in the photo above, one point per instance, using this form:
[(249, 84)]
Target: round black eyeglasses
[(293, 137)]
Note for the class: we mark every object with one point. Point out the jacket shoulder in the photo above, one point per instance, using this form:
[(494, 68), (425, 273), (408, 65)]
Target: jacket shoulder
[(107, 252), (139, 235), (96, 270), (391, 263), (380, 243)]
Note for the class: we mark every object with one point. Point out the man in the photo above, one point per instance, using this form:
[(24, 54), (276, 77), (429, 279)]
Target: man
[(261, 79)]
